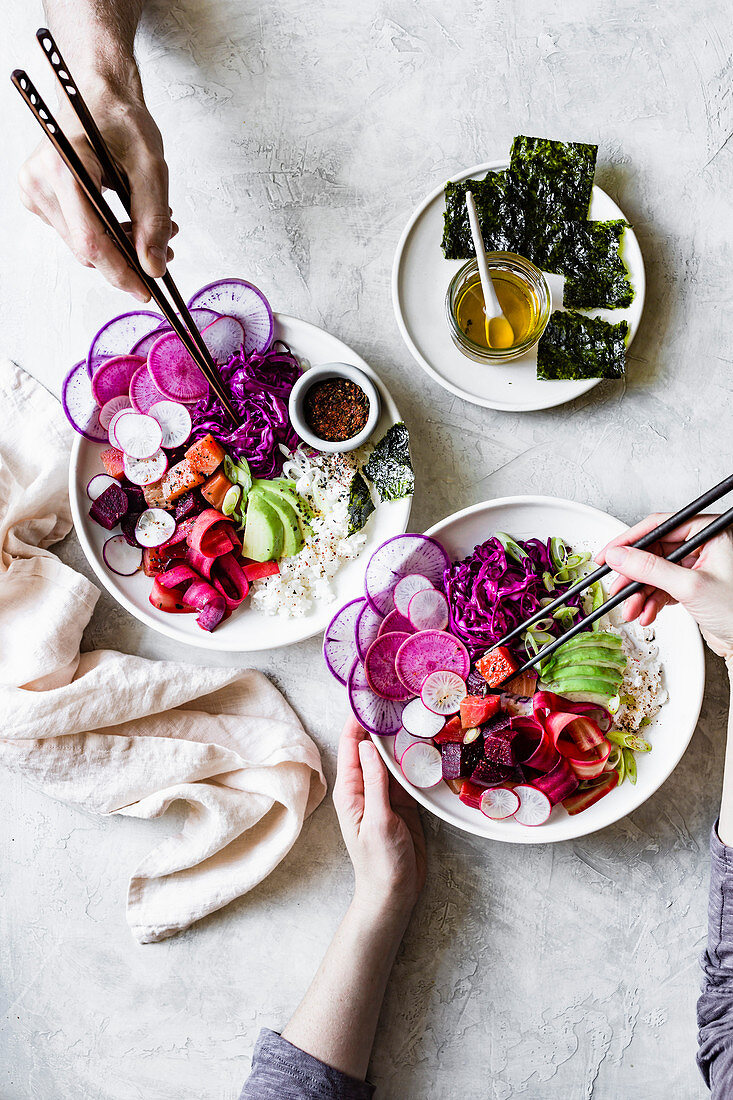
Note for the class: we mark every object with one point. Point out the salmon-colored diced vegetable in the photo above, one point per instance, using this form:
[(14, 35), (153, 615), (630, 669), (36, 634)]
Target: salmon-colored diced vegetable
[(154, 495), (154, 560), (497, 666), (452, 731), (113, 462), (215, 489), (205, 455), (477, 709), (179, 479)]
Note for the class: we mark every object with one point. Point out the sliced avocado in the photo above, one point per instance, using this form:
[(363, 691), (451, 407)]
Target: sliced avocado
[(595, 639), (283, 489), (586, 680), (292, 535), (600, 657), (263, 531)]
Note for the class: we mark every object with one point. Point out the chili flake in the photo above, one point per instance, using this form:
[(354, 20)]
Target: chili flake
[(336, 409)]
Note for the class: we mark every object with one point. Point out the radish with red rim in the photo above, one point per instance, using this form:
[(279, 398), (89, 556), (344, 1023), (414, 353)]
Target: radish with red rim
[(175, 421), (120, 335), (402, 742), (534, 806), (112, 378), (78, 403), (379, 667), (377, 715), (498, 803), (146, 471), (418, 721), (120, 557), (443, 692), (98, 484), (339, 640), (406, 588), (174, 372), (430, 651), (398, 557), (224, 338), (367, 629), (111, 408), (138, 435), (113, 426), (421, 765), (154, 527), (143, 391), (428, 610), (240, 299)]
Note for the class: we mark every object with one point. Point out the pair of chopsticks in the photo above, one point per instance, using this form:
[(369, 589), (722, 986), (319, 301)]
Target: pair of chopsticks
[(181, 322), (721, 523)]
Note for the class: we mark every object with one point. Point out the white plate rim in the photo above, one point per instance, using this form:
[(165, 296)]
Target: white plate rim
[(492, 830), (582, 387)]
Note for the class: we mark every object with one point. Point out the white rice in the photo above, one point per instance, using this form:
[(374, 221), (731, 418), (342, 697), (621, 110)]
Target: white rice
[(642, 692), (324, 481)]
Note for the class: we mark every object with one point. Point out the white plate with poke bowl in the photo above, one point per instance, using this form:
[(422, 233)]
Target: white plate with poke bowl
[(566, 266), (542, 756), (233, 538)]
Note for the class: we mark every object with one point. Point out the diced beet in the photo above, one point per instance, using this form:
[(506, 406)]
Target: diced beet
[(190, 504), (135, 497), (496, 724), (127, 526), (459, 759), (489, 774), (109, 508), (498, 750)]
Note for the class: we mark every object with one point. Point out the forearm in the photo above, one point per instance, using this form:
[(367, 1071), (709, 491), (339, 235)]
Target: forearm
[(97, 37), (337, 1019), (725, 824)]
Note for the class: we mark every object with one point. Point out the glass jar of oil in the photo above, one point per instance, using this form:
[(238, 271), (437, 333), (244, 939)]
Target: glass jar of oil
[(524, 297)]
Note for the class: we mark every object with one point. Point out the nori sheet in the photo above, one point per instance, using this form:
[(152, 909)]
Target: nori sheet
[(595, 276), (389, 465), (574, 346), (360, 505), (553, 177), (494, 217)]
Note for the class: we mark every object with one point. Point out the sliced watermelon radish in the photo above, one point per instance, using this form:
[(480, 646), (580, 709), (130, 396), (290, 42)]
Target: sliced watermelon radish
[(78, 403), (377, 715), (428, 610), (380, 669), (398, 557), (367, 629), (421, 722), (406, 588), (139, 436), (443, 692), (154, 527), (499, 803), (534, 806), (421, 765), (175, 421), (111, 408), (120, 557), (174, 372), (224, 338), (112, 378), (395, 621), (146, 471), (240, 299), (143, 391), (339, 640), (402, 742), (98, 484), (120, 335), (143, 346), (430, 651)]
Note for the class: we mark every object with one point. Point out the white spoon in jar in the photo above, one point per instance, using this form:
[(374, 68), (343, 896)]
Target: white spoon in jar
[(499, 332)]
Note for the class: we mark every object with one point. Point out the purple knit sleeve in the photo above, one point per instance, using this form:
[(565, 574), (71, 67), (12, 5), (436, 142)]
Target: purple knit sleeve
[(281, 1071), (715, 1006)]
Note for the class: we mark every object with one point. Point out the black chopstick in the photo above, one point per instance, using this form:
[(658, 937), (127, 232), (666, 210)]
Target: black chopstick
[(68, 154)]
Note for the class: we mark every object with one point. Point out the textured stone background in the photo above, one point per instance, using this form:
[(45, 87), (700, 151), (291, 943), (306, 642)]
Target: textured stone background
[(300, 135)]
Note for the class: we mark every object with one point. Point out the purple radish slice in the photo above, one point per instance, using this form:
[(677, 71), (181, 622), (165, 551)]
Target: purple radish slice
[(78, 403), (142, 347), (534, 806), (175, 422), (174, 372), (119, 336), (367, 629), (406, 588), (395, 621), (402, 742), (377, 715), (113, 426), (112, 378), (99, 483), (111, 408), (379, 667), (143, 391), (154, 527), (398, 557), (419, 721), (430, 651), (499, 803), (339, 640), (120, 557), (240, 299), (443, 692), (224, 338), (146, 471), (422, 765), (428, 610), (137, 435)]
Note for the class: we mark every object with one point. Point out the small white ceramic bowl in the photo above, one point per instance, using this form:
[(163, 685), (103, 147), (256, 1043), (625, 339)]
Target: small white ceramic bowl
[(320, 374)]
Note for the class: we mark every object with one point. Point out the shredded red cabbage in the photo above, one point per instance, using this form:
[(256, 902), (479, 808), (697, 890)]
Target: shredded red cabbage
[(259, 385), (489, 592)]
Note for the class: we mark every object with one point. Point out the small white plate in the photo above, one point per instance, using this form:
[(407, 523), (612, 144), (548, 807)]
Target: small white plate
[(248, 629), (680, 648), (420, 279)]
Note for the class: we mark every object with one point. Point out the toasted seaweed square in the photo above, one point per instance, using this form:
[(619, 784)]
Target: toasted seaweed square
[(360, 505), (557, 175), (390, 466), (494, 214), (595, 275), (574, 346)]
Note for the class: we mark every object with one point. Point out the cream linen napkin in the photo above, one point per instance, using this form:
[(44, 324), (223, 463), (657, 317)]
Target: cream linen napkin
[(117, 734)]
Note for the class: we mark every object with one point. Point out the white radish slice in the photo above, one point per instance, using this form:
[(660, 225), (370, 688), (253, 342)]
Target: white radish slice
[(111, 430), (139, 436), (427, 610), (224, 338), (120, 557), (116, 337), (339, 642), (443, 691), (418, 721), (154, 527), (174, 419), (402, 742), (98, 484), (499, 803), (144, 471), (421, 765), (406, 588), (240, 299), (534, 805), (111, 408)]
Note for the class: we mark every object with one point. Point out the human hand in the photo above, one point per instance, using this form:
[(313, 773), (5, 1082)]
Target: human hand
[(49, 190), (380, 826), (702, 582)]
